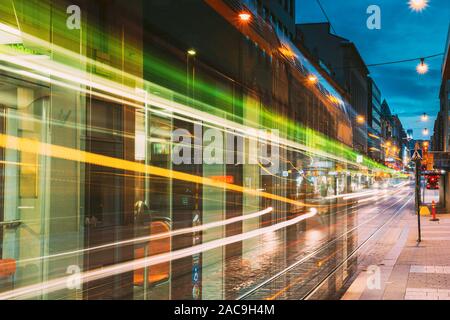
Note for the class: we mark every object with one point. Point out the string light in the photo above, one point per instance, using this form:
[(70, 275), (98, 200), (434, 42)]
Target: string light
[(422, 67), (424, 117)]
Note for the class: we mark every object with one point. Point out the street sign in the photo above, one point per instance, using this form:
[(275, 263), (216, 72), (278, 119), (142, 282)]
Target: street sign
[(417, 154)]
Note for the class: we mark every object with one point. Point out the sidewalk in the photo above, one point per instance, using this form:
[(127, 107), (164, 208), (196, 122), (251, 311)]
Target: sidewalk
[(404, 269)]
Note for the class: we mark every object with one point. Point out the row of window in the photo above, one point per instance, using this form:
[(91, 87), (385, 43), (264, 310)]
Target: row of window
[(270, 17)]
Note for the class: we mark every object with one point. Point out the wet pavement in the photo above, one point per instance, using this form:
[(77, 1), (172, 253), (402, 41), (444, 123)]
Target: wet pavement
[(397, 267), (317, 259)]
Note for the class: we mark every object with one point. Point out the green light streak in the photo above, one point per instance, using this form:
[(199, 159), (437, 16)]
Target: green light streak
[(36, 19)]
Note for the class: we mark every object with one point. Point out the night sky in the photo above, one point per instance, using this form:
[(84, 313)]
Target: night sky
[(404, 34)]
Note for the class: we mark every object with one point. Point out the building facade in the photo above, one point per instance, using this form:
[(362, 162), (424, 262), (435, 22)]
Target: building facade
[(437, 139), (440, 141), (375, 140), (112, 133), (344, 63)]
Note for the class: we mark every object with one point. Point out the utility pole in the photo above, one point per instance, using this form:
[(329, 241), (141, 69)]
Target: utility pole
[(417, 159)]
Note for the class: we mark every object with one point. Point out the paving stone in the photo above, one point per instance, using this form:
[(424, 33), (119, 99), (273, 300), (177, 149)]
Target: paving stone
[(418, 271)]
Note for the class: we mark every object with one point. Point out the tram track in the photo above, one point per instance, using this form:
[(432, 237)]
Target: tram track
[(311, 292), (326, 246)]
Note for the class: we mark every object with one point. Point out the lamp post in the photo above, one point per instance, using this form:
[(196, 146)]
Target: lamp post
[(416, 158)]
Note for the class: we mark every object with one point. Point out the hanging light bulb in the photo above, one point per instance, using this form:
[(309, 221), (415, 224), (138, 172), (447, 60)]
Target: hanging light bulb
[(418, 5), (424, 117), (422, 67), (425, 132)]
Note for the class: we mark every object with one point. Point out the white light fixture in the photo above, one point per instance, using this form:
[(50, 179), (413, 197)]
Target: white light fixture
[(422, 67)]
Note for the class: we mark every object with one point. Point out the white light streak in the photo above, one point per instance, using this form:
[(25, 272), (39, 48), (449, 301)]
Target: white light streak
[(60, 283)]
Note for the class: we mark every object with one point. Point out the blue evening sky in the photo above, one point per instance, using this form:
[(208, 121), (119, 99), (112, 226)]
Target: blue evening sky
[(404, 34)]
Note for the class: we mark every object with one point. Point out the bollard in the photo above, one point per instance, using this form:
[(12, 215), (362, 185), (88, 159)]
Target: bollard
[(433, 212)]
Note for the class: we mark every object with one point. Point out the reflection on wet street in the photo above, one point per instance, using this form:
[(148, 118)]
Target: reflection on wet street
[(312, 259)]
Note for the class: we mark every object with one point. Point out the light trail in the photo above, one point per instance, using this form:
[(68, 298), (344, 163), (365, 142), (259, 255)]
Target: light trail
[(299, 279), (348, 196), (355, 251), (312, 254), (89, 80), (157, 236), (61, 283), (124, 95), (170, 106)]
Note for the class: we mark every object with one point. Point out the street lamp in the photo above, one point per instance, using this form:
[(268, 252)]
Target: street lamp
[(245, 16), (312, 78), (418, 5), (360, 119), (191, 52), (422, 67), (425, 131)]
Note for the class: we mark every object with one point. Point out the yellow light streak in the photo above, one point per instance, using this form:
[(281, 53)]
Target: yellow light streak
[(108, 87), (55, 151)]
